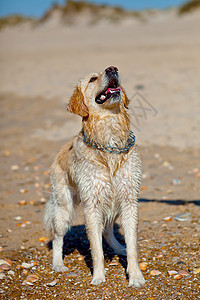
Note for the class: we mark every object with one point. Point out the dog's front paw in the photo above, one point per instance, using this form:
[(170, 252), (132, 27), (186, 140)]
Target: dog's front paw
[(97, 280), (137, 280), (60, 268)]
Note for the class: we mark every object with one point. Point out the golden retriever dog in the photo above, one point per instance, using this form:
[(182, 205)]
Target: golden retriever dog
[(100, 169)]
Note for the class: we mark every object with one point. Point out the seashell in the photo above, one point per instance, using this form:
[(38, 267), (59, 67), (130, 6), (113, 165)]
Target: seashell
[(183, 217), (52, 283), (178, 276), (155, 272), (22, 202), (172, 272), (42, 239), (183, 273), (196, 271), (27, 265), (143, 265)]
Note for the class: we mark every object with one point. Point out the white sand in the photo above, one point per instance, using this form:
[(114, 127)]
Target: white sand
[(162, 56)]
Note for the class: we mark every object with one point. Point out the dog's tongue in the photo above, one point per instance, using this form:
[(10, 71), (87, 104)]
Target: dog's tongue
[(112, 90)]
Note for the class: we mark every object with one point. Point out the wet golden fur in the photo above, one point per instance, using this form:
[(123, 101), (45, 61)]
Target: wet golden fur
[(106, 184)]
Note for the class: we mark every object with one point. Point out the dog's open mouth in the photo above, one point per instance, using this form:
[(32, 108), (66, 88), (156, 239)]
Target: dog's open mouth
[(113, 89)]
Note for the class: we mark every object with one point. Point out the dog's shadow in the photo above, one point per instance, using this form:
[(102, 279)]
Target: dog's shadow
[(76, 239)]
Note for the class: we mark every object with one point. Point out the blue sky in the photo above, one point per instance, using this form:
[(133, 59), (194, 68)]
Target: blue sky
[(38, 7)]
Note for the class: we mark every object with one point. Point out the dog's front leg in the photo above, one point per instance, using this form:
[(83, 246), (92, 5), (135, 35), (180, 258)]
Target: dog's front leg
[(94, 232), (130, 224)]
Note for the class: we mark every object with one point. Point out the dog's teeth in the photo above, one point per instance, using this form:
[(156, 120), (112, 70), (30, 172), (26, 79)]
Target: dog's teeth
[(102, 97)]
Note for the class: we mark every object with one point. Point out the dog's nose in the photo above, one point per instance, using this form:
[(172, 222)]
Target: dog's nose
[(110, 71)]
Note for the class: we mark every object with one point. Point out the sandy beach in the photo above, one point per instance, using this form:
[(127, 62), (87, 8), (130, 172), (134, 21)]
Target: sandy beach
[(159, 66)]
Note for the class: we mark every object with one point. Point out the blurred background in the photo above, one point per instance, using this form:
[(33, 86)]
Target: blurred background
[(46, 47)]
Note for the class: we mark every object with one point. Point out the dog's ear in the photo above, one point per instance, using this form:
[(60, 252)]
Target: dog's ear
[(76, 104), (125, 98)]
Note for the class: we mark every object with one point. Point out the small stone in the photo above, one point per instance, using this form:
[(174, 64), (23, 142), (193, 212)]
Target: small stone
[(143, 265), (24, 272), (176, 181), (52, 283), (11, 272), (167, 219), (196, 271), (4, 267), (17, 218), (8, 261), (81, 257), (113, 263), (172, 272), (143, 188), (27, 265), (22, 202), (42, 239), (159, 256), (14, 167), (2, 275), (32, 278), (183, 273), (183, 217), (43, 200), (27, 222), (23, 191), (178, 276), (155, 272)]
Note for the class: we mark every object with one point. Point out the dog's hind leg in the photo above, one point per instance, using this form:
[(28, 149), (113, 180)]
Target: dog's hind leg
[(108, 235), (58, 219)]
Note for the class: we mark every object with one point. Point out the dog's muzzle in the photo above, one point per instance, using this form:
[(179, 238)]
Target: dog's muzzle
[(112, 89)]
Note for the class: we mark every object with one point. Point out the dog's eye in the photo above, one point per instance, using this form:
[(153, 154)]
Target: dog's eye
[(93, 79)]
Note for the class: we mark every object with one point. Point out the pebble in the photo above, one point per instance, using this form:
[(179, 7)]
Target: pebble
[(159, 256), (183, 273), (23, 191), (22, 202), (113, 263), (178, 276), (143, 265), (17, 218), (11, 272), (4, 267), (172, 272), (196, 271), (31, 279), (43, 200), (42, 239), (155, 272), (2, 275), (167, 219), (176, 181), (52, 283), (14, 167), (27, 265), (81, 257), (193, 171), (6, 261), (183, 217)]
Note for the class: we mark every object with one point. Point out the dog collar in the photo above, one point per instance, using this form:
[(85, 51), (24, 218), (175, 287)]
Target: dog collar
[(130, 143)]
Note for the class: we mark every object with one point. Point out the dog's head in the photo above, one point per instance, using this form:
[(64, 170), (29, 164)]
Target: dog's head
[(98, 91)]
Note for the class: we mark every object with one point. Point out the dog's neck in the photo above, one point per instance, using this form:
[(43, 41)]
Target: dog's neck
[(108, 128)]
